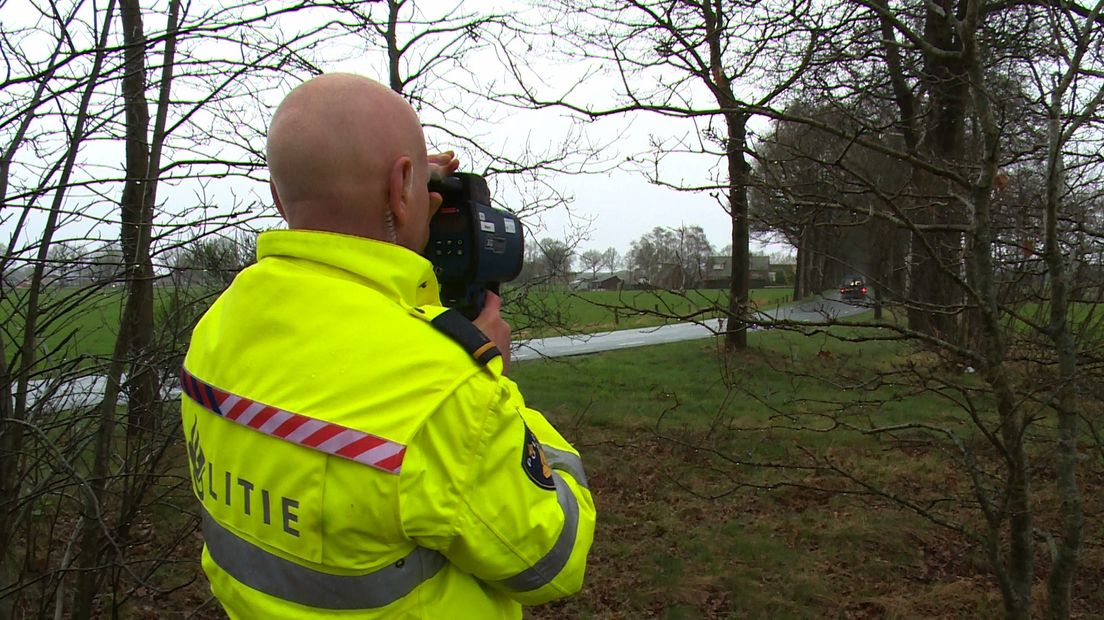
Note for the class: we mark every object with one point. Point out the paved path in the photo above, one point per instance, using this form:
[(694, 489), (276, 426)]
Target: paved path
[(79, 392), (819, 308), (88, 391)]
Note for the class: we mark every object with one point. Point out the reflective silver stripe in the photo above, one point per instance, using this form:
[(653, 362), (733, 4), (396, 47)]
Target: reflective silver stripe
[(287, 580), (547, 568), (566, 461)]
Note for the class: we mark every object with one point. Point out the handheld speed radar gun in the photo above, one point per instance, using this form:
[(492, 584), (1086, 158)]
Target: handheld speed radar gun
[(473, 246)]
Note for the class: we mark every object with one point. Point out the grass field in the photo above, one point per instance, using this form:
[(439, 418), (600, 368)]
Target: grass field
[(711, 508), (84, 321), (542, 313), (77, 322)]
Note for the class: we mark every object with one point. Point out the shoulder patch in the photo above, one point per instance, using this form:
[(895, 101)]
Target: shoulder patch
[(456, 326), (535, 463)]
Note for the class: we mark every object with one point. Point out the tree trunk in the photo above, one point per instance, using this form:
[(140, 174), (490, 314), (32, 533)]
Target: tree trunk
[(818, 273), (933, 256), (738, 170), (1018, 572), (735, 143), (146, 445), (135, 223), (1067, 551), (799, 270)]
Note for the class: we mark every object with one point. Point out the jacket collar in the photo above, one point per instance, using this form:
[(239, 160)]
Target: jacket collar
[(393, 270)]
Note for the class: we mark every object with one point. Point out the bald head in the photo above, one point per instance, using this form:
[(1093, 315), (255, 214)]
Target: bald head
[(347, 155)]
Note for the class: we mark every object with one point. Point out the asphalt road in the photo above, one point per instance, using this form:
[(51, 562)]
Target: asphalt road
[(88, 391), (79, 392), (820, 308)]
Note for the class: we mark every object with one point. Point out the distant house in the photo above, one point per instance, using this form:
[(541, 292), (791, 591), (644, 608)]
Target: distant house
[(718, 271), (598, 281), (669, 276), (784, 271)]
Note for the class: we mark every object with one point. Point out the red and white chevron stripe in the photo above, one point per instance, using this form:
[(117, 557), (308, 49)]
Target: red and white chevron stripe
[(296, 428)]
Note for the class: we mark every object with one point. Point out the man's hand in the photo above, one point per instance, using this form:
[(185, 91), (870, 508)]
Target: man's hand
[(442, 165), (491, 324)]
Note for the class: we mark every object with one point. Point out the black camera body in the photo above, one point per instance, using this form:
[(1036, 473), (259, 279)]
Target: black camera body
[(473, 246)]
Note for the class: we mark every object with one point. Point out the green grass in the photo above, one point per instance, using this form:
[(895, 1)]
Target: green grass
[(1084, 318), (72, 321), (710, 507), (548, 312), (77, 322), (690, 384)]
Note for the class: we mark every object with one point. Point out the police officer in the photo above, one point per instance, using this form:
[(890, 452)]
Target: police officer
[(356, 448)]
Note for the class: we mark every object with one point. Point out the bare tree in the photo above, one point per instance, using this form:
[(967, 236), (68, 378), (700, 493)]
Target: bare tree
[(593, 261), (803, 176), (557, 258), (671, 258), (214, 261), (75, 494), (18, 371), (991, 245), (133, 348), (1075, 96), (435, 58), (612, 258), (690, 60)]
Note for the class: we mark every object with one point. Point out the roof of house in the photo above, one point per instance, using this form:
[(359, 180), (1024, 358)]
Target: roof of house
[(721, 266), (601, 276)]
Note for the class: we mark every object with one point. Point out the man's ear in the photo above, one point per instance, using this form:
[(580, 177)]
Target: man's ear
[(400, 189), (276, 200)]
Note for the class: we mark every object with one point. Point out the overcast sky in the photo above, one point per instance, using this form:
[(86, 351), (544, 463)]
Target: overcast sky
[(611, 207), (619, 204)]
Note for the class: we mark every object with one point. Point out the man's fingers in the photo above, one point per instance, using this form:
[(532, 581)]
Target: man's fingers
[(443, 164), (492, 302), (491, 324)]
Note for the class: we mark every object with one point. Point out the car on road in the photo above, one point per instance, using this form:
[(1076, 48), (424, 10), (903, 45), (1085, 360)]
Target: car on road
[(853, 288)]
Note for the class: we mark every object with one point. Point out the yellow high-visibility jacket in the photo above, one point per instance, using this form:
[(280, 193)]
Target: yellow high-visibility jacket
[(357, 452)]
